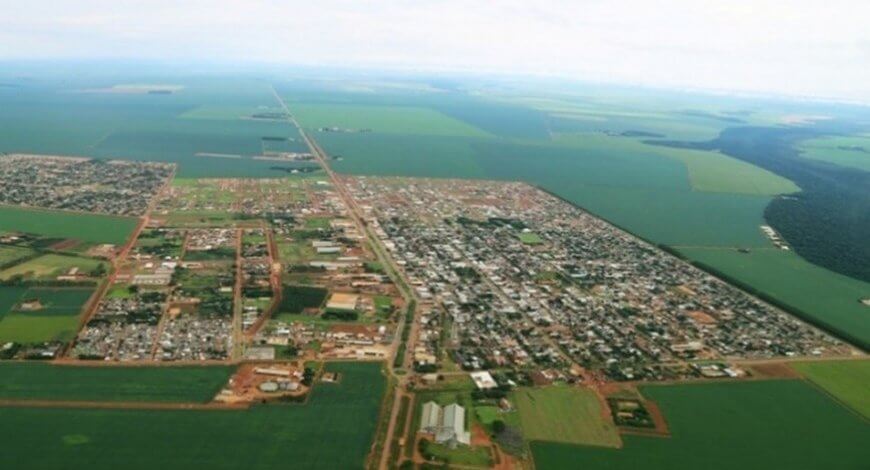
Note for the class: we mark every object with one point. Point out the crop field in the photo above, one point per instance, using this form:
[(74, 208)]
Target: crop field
[(50, 266), (57, 320), (825, 297), (9, 297), (759, 424), (404, 120), (266, 436), (37, 381), (850, 152), (85, 227), (564, 414), (845, 380)]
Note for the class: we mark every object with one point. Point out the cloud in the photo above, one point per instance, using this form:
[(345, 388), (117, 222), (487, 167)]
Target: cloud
[(792, 47)]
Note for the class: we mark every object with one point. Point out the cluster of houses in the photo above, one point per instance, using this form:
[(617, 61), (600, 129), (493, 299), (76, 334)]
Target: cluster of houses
[(81, 184), (529, 281)]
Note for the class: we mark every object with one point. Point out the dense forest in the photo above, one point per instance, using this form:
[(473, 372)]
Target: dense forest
[(828, 222)]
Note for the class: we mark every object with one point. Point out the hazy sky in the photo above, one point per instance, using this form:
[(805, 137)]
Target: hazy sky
[(805, 47)]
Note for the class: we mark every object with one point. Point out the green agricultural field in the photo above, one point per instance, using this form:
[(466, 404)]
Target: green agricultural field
[(57, 224), (10, 254), (50, 266), (845, 380), (758, 424), (564, 414), (295, 299), (264, 437), (38, 381), (707, 171), (403, 120), (825, 297), (850, 152), (58, 320), (9, 297)]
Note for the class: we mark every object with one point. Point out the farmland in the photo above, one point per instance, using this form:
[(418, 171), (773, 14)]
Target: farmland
[(845, 380), (564, 414), (56, 320), (267, 436), (765, 424), (56, 224), (91, 383), (850, 152), (383, 119)]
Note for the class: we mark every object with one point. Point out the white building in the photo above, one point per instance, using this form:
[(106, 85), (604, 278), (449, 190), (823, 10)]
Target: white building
[(447, 424)]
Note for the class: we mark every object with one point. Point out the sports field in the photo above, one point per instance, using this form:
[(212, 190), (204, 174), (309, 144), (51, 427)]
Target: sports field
[(848, 381), (38, 381), (342, 415), (826, 297), (564, 414), (58, 224), (750, 425)]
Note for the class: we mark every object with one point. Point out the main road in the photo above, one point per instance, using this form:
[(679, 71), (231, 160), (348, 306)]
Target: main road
[(392, 269)]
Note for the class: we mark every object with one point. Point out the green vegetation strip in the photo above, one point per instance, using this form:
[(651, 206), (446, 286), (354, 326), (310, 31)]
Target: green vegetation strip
[(758, 424)]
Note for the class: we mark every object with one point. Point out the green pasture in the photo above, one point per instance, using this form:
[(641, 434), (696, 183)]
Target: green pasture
[(39, 381), (845, 380), (50, 266), (825, 297), (267, 436), (564, 414), (10, 254), (755, 424), (58, 224)]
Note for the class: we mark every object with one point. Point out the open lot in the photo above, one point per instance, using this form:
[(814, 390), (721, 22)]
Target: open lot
[(268, 436), (35, 381), (762, 424), (845, 380), (564, 414)]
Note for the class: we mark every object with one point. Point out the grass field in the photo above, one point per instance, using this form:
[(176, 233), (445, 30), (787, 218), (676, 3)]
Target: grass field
[(37, 381), (530, 238), (406, 120), (750, 425), (848, 381), (58, 320), (827, 297), (564, 414), (84, 227), (49, 266), (342, 415)]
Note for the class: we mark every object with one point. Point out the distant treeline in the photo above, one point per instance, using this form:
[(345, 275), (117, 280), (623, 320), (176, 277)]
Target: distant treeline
[(828, 223)]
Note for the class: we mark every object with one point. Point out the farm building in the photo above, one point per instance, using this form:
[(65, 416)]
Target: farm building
[(447, 424)]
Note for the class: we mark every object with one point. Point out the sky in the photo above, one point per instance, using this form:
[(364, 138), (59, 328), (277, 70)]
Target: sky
[(817, 48)]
